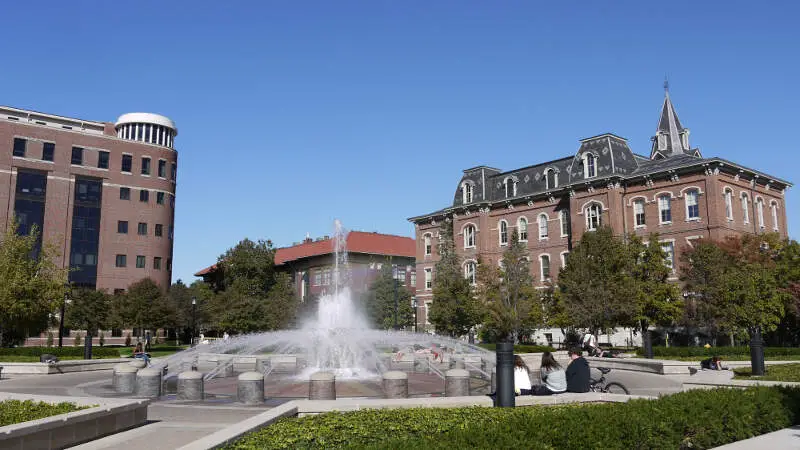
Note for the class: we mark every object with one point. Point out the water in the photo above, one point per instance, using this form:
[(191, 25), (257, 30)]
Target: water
[(337, 339)]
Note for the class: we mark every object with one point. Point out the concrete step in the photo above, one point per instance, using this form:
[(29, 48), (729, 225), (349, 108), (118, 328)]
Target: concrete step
[(154, 436)]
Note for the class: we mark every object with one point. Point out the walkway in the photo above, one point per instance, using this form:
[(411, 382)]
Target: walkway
[(787, 438)]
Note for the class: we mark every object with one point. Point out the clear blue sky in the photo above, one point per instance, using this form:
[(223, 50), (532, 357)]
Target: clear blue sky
[(291, 114)]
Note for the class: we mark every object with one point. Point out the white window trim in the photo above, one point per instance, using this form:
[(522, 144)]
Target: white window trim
[(660, 218), (547, 181), (541, 267), (585, 159), (688, 188), (727, 194), (759, 204), (464, 185), (631, 200), (643, 201), (514, 181), (563, 258), (690, 239), (661, 193), (546, 226), (474, 236), (674, 253), (466, 264), (773, 211), (589, 202), (561, 214), (527, 228), (427, 237), (500, 233), (744, 201), (599, 215), (428, 274), (686, 204)]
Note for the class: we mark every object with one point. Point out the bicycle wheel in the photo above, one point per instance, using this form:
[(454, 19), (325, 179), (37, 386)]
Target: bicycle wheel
[(616, 388)]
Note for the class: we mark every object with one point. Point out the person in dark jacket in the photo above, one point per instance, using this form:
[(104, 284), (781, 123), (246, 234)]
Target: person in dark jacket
[(577, 372)]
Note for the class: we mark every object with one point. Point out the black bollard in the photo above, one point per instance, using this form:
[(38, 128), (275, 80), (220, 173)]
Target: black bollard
[(505, 375), (87, 345), (647, 337), (756, 352)]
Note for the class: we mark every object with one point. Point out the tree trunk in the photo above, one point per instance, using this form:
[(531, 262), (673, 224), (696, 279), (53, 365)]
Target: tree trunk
[(1, 335), (647, 340)]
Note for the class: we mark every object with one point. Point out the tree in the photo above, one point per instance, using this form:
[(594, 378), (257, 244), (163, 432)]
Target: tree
[(250, 264), (454, 310), (30, 286), (282, 303), (185, 316), (88, 309), (384, 293), (143, 306)]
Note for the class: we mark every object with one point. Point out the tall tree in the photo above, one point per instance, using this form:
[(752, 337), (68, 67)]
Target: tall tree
[(384, 293), (250, 265), (454, 310), (702, 272), (88, 309), (185, 315), (143, 306), (282, 303), (30, 286)]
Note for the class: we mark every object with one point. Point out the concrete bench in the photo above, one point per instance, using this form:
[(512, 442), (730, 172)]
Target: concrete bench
[(283, 363)]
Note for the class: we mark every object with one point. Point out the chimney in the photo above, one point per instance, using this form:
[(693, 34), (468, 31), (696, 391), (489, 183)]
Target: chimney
[(307, 239)]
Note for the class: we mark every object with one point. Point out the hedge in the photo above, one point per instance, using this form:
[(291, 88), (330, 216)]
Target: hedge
[(100, 352), (522, 348), (16, 411), (694, 419), (684, 352)]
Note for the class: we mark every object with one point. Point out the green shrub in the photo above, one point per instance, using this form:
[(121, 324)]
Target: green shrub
[(49, 338), (694, 419), (17, 411), (522, 348), (77, 341), (686, 352), (58, 351)]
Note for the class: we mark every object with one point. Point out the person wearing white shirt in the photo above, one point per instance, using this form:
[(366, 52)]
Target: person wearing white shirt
[(522, 381)]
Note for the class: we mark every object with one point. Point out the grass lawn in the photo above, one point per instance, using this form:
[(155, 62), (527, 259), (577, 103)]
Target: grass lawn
[(726, 358), (781, 372), (16, 411)]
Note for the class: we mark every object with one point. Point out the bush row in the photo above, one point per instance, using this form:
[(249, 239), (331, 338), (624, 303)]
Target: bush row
[(522, 348), (719, 351), (100, 352), (694, 419), (16, 411)]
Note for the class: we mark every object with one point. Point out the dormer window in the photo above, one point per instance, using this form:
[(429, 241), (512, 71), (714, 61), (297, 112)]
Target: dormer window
[(589, 165), (662, 141), (466, 192), (685, 139), (551, 178), (511, 187)]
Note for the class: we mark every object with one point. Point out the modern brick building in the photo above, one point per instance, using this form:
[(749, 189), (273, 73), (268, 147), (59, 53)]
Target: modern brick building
[(674, 191), (102, 193)]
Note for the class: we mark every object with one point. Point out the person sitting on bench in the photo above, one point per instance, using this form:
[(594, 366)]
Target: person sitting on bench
[(713, 363)]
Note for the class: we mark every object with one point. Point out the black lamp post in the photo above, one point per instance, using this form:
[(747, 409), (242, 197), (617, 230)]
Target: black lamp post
[(194, 320), (414, 305), (61, 319), (505, 374), (756, 351), (396, 306)]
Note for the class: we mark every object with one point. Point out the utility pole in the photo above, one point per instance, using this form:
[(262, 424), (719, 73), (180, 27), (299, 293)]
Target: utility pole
[(194, 321), (396, 306), (414, 305), (61, 319)]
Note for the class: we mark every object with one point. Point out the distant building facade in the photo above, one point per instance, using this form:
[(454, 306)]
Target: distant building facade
[(674, 191)]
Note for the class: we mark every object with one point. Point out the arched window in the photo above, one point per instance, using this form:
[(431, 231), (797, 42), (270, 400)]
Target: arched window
[(773, 206), (503, 226), (544, 264), (466, 192), (542, 226), (511, 187), (564, 256), (428, 245), (729, 204), (639, 219), (469, 271), (692, 206), (745, 208), (589, 165), (760, 212), (522, 228), (551, 178), (563, 217), (469, 236), (664, 209), (593, 217)]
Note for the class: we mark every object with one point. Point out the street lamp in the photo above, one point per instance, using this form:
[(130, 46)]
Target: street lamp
[(61, 319), (395, 283), (194, 320), (414, 305)]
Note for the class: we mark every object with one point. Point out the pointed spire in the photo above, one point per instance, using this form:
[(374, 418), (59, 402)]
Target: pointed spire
[(669, 138)]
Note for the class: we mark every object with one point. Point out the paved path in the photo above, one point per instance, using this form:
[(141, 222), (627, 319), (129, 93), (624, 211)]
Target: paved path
[(787, 438)]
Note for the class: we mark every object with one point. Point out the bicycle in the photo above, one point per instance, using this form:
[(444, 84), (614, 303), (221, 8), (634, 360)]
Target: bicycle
[(600, 385)]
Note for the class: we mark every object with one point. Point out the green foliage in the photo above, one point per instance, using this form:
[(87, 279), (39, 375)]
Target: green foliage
[(88, 309), (77, 340), (379, 301), (179, 300), (102, 339), (719, 351), (49, 338), (29, 288), (694, 419), (522, 348), (658, 302), (454, 310), (143, 306), (250, 265), (775, 372), (16, 411), (58, 351)]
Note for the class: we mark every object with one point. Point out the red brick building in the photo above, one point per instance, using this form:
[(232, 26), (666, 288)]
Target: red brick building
[(675, 191), (102, 193)]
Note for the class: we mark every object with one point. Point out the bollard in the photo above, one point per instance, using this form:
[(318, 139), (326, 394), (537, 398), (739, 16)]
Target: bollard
[(191, 385), (125, 379), (322, 386), (460, 364), (250, 389), (148, 383), (456, 383), (395, 384), (138, 363)]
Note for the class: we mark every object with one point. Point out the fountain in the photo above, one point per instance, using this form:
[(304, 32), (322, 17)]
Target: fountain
[(337, 339)]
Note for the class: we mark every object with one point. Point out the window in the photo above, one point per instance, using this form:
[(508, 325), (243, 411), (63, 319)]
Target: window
[(162, 168), (428, 245), (19, 147), (773, 206), (503, 232), (102, 160), (414, 278), (174, 173), (669, 254), (593, 219), (589, 165), (145, 166), (760, 212), (544, 262), (563, 217), (127, 163), (48, 151), (729, 204), (140, 261), (317, 277), (122, 261), (124, 193), (160, 198), (144, 195), (428, 279), (400, 275), (142, 229), (522, 227), (511, 187), (692, 207), (664, 209), (159, 231), (77, 156), (551, 179), (638, 213), (745, 209), (157, 263), (564, 257), (542, 226), (469, 236), (466, 193), (122, 226), (469, 271)]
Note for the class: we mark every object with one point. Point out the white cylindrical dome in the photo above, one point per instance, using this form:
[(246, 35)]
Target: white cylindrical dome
[(147, 127)]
